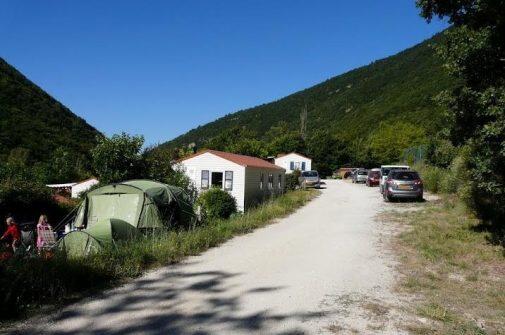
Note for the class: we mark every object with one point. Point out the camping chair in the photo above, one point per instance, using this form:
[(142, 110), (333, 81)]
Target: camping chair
[(46, 236), (27, 230)]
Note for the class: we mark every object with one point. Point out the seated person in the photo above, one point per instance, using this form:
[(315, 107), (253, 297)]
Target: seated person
[(12, 234)]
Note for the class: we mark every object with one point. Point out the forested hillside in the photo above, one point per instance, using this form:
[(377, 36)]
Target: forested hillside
[(399, 88), (34, 123)]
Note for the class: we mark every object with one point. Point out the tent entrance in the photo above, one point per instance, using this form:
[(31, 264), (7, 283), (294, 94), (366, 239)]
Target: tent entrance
[(122, 206)]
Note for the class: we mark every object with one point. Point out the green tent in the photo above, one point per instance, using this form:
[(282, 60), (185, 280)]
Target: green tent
[(103, 233), (118, 211), (141, 203)]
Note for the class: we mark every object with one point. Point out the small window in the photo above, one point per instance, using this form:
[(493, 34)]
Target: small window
[(217, 179), (205, 179), (280, 181), (291, 165), (303, 166), (270, 181), (228, 180), (297, 165), (262, 177)]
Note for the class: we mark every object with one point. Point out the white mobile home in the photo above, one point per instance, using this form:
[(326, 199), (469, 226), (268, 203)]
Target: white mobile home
[(293, 161), (248, 179), (73, 190)]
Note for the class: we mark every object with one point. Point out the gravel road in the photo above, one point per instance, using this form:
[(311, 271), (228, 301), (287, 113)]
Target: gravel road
[(322, 270)]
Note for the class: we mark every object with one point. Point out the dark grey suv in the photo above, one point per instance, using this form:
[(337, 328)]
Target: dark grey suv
[(403, 184)]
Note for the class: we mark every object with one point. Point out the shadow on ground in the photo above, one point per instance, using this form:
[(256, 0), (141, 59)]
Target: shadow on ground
[(153, 305)]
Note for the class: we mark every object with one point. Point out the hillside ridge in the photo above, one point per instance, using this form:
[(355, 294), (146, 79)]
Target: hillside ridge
[(395, 88)]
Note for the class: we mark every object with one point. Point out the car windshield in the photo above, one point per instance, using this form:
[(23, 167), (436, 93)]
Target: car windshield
[(362, 173), (385, 170), (374, 174), (404, 175), (309, 174)]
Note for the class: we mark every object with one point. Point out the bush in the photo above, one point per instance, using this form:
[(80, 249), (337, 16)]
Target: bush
[(216, 204), (27, 200), (292, 180), (432, 177)]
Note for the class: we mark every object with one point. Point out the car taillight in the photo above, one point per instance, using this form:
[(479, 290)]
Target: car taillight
[(418, 182)]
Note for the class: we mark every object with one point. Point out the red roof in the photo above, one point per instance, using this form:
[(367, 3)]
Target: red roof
[(247, 161)]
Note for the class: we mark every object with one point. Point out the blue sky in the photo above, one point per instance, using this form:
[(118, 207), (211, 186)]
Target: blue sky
[(160, 68)]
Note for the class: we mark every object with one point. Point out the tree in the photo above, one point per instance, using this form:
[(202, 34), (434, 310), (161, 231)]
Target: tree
[(229, 137), (289, 142), (474, 53), (327, 152), (390, 140), (249, 147), (118, 158), (159, 165)]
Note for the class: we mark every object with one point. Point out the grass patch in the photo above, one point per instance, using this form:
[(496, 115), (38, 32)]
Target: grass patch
[(457, 275), (26, 284)]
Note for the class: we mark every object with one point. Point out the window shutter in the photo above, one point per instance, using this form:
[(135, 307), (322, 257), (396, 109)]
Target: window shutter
[(291, 165), (303, 166)]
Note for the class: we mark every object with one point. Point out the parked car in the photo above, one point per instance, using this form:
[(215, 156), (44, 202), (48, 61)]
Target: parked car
[(360, 176), (373, 177), (385, 171), (309, 179), (403, 184)]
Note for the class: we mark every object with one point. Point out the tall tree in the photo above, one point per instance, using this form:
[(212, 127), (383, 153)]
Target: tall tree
[(118, 158), (474, 52)]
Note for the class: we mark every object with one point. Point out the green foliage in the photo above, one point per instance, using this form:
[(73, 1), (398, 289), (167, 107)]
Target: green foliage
[(440, 152), (216, 204), (292, 180), (286, 143), (26, 200), (33, 120), (159, 165), (118, 158), (473, 52), (249, 147), (388, 142), (432, 178), (327, 152), (349, 106), (57, 279)]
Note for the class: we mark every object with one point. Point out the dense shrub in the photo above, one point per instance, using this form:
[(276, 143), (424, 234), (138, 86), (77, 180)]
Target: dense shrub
[(216, 204), (27, 200), (292, 182), (440, 152), (432, 177)]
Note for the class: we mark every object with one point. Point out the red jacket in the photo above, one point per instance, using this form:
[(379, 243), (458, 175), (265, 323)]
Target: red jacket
[(13, 232)]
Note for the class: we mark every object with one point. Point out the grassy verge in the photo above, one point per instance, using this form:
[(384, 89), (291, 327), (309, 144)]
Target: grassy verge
[(29, 283), (455, 273)]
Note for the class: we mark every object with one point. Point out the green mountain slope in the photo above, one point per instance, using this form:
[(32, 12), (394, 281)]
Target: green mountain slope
[(397, 88), (33, 120)]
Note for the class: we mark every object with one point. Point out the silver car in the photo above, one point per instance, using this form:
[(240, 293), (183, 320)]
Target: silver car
[(309, 179), (403, 184), (360, 176)]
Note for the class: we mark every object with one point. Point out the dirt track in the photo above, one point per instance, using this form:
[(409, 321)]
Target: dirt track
[(320, 270)]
